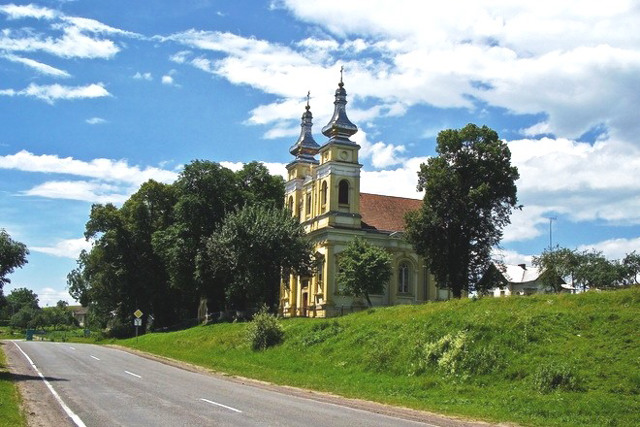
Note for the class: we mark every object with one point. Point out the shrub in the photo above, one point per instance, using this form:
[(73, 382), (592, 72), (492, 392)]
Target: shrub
[(550, 377), (456, 354), (320, 332), (264, 330)]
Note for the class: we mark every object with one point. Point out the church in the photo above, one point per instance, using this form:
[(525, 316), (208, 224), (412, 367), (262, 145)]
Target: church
[(323, 192)]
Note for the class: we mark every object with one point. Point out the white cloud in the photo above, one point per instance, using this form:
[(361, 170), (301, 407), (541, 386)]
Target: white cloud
[(143, 76), (85, 191), (572, 62), (49, 297), (77, 37), (69, 248), (511, 257), (38, 66), (103, 169), (167, 79), (52, 93), (614, 248), (96, 121), (273, 168), (401, 181), (72, 44), (27, 11)]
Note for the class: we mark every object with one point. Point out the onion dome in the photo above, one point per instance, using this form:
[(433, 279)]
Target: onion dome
[(306, 147), (340, 127)]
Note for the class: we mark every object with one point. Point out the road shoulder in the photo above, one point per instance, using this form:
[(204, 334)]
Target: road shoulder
[(378, 408), (39, 405)]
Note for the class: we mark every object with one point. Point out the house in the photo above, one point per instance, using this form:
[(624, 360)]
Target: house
[(509, 279), (80, 314), (323, 192)]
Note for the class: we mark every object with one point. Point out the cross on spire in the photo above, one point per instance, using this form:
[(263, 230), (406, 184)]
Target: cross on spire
[(341, 70), (308, 98)]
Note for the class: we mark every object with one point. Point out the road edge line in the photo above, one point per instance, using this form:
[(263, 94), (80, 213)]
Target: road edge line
[(74, 417)]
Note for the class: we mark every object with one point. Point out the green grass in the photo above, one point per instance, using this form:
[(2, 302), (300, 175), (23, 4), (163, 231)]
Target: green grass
[(558, 360), (10, 413)]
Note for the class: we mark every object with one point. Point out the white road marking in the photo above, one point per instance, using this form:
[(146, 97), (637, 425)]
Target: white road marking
[(94, 357), (76, 419), (72, 348), (222, 406), (132, 374)]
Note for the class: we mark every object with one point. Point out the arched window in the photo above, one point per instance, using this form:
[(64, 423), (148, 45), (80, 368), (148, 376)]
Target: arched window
[(309, 204), (343, 192), (403, 278), (323, 193), (290, 203)]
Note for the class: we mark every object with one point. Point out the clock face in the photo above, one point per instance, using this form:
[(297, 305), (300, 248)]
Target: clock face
[(344, 155)]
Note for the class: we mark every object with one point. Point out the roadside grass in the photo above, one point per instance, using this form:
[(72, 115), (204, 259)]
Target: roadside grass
[(545, 360), (10, 413)]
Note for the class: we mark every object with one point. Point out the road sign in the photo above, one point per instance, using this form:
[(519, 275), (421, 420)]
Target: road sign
[(137, 313), (137, 322)]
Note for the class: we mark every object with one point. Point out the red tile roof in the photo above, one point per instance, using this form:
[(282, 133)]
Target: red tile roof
[(385, 213)]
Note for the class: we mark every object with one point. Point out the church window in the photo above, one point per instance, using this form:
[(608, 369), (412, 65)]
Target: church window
[(290, 203), (320, 267), (308, 204), (343, 192), (403, 278), (323, 193)]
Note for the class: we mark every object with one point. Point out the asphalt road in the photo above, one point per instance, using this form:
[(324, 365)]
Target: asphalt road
[(104, 386)]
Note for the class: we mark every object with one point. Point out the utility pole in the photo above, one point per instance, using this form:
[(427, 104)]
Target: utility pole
[(551, 219)]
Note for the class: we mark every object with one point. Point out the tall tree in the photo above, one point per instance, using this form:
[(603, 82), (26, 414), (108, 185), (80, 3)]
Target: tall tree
[(251, 250), (470, 192), (364, 269), (206, 192)]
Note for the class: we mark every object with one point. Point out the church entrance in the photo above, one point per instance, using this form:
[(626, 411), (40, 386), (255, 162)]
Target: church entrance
[(305, 304)]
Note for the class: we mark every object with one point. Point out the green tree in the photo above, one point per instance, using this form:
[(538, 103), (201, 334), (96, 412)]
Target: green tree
[(251, 250), (559, 263), (258, 186), (470, 192), (594, 271), (631, 263), (121, 272), (364, 269), (22, 297), (205, 192), (12, 255)]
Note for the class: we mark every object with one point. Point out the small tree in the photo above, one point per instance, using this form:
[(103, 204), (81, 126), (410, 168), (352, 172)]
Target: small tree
[(364, 269)]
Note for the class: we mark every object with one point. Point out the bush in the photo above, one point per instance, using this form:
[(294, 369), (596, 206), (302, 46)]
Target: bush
[(320, 332), (457, 354), (551, 377), (264, 331)]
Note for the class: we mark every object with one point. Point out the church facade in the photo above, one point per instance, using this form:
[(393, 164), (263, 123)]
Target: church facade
[(323, 192)]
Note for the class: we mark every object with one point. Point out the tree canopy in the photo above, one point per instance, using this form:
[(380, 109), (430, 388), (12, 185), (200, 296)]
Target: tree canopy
[(364, 269), (12, 255), (150, 254), (470, 192), (251, 249), (589, 269)]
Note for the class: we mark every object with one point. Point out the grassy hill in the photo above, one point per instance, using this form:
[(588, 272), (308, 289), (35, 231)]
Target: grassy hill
[(547, 360)]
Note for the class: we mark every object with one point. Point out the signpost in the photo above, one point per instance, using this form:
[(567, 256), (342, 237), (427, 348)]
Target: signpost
[(137, 321)]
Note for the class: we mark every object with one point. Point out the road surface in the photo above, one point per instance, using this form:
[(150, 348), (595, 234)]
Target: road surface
[(94, 385)]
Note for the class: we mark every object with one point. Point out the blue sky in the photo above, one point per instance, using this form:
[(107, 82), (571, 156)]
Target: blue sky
[(98, 97)]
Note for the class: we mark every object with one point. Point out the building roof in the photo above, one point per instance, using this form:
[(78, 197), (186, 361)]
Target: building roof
[(385, 213), (519, 273)]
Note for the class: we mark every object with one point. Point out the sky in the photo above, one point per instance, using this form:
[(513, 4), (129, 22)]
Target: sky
[(97, 97)]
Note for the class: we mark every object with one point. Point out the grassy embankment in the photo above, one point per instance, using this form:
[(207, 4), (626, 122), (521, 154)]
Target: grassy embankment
[(10, 413), (560, 360)]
